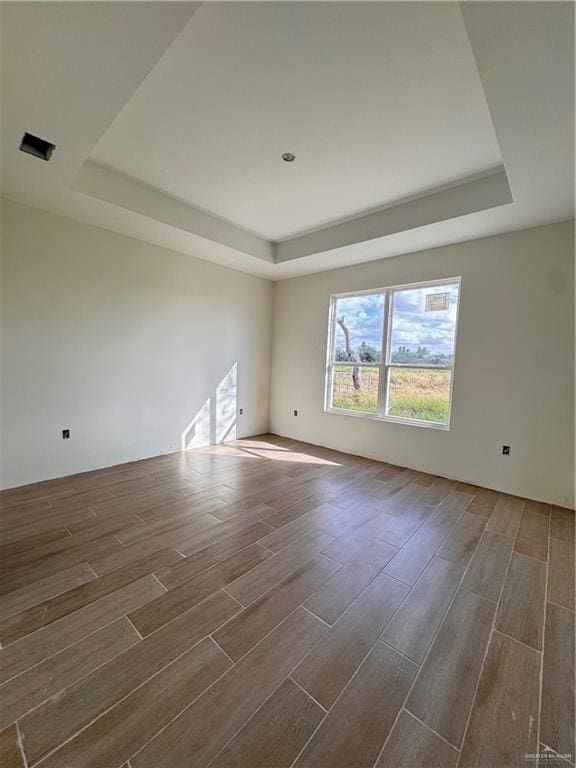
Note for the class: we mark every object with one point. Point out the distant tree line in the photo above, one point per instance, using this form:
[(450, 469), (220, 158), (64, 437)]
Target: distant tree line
[(420, 355), (367, 353)]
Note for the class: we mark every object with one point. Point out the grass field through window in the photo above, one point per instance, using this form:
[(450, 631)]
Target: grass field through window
[(345, 396), (414, 393)]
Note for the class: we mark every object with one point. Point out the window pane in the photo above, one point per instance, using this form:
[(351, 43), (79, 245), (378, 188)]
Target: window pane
[(419, 393), (355, 393), (424, 325), (358, 328)]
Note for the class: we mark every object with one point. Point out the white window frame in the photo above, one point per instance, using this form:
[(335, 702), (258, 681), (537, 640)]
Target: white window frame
[(385, 364)]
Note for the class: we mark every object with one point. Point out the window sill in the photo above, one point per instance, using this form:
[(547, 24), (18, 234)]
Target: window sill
[(390, 419)]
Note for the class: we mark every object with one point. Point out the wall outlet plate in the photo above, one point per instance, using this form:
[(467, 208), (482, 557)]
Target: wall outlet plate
[(295, 412), (65, 434), (506, 450)]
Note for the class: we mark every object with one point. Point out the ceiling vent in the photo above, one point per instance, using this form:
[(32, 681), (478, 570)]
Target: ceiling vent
[(36, 146)]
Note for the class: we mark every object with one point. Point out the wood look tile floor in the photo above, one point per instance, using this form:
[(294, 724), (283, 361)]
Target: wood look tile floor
[(267, 604)]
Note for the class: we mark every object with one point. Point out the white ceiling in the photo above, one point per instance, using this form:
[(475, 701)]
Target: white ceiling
[(67, 69), (378, 101), (415, 124)]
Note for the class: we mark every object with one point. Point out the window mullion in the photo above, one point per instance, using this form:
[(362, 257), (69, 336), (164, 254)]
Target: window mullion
[(330, 357), (383, 368), (332, 332)]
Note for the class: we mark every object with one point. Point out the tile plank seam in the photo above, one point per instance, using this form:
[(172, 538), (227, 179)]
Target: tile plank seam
[(377, 640), (217, 644), (65, 648), (327, 712), (205, 691), (391, 647), (544, 612), (119, 701), (305, 691), (24, 760), (428, 728), (428, 651), (491, 634), (233, 736), (354, 492), (519, 642), (76, 680), (14, 643)]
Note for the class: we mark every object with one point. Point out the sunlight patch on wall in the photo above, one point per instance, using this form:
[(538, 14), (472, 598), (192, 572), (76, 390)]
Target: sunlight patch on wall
[(216, 421), (197, 433), (226, 406)]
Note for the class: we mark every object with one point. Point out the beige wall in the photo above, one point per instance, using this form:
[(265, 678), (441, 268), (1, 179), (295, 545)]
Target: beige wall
[(139, 350), (514, 373), (127, 344)]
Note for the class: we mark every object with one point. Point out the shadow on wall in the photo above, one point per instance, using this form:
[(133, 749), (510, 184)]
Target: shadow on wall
[(215, 422)]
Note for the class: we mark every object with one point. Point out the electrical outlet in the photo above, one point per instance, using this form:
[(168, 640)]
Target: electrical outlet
[(295, 412), (65, 434), (241, 411), (506, 450)]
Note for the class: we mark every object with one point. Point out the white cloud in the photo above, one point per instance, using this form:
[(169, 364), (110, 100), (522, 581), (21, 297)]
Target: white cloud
[(412, 326)]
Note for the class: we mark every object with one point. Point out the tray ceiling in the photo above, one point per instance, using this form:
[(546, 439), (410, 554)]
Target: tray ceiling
[(413, 124)]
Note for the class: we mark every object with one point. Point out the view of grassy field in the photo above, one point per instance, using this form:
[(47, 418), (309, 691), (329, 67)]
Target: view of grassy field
[(413, 393), (345, 396)]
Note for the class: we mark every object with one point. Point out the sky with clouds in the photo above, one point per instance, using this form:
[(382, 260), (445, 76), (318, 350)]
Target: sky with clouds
[(412, 326)]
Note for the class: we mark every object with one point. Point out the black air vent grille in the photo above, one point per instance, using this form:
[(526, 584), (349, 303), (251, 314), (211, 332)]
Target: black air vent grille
[(36, 146)]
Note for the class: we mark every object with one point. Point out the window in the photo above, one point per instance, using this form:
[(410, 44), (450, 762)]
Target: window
[(391, 353)]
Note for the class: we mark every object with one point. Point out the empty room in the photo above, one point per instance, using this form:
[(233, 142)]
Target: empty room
[(287, 388)]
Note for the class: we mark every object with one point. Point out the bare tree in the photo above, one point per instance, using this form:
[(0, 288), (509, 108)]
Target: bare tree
[(352, 356)]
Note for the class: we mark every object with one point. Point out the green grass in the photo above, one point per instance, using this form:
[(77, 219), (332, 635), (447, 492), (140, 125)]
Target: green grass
[(358, 401), (413, 394), (419, 394), (345, 396), (425, 409)]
